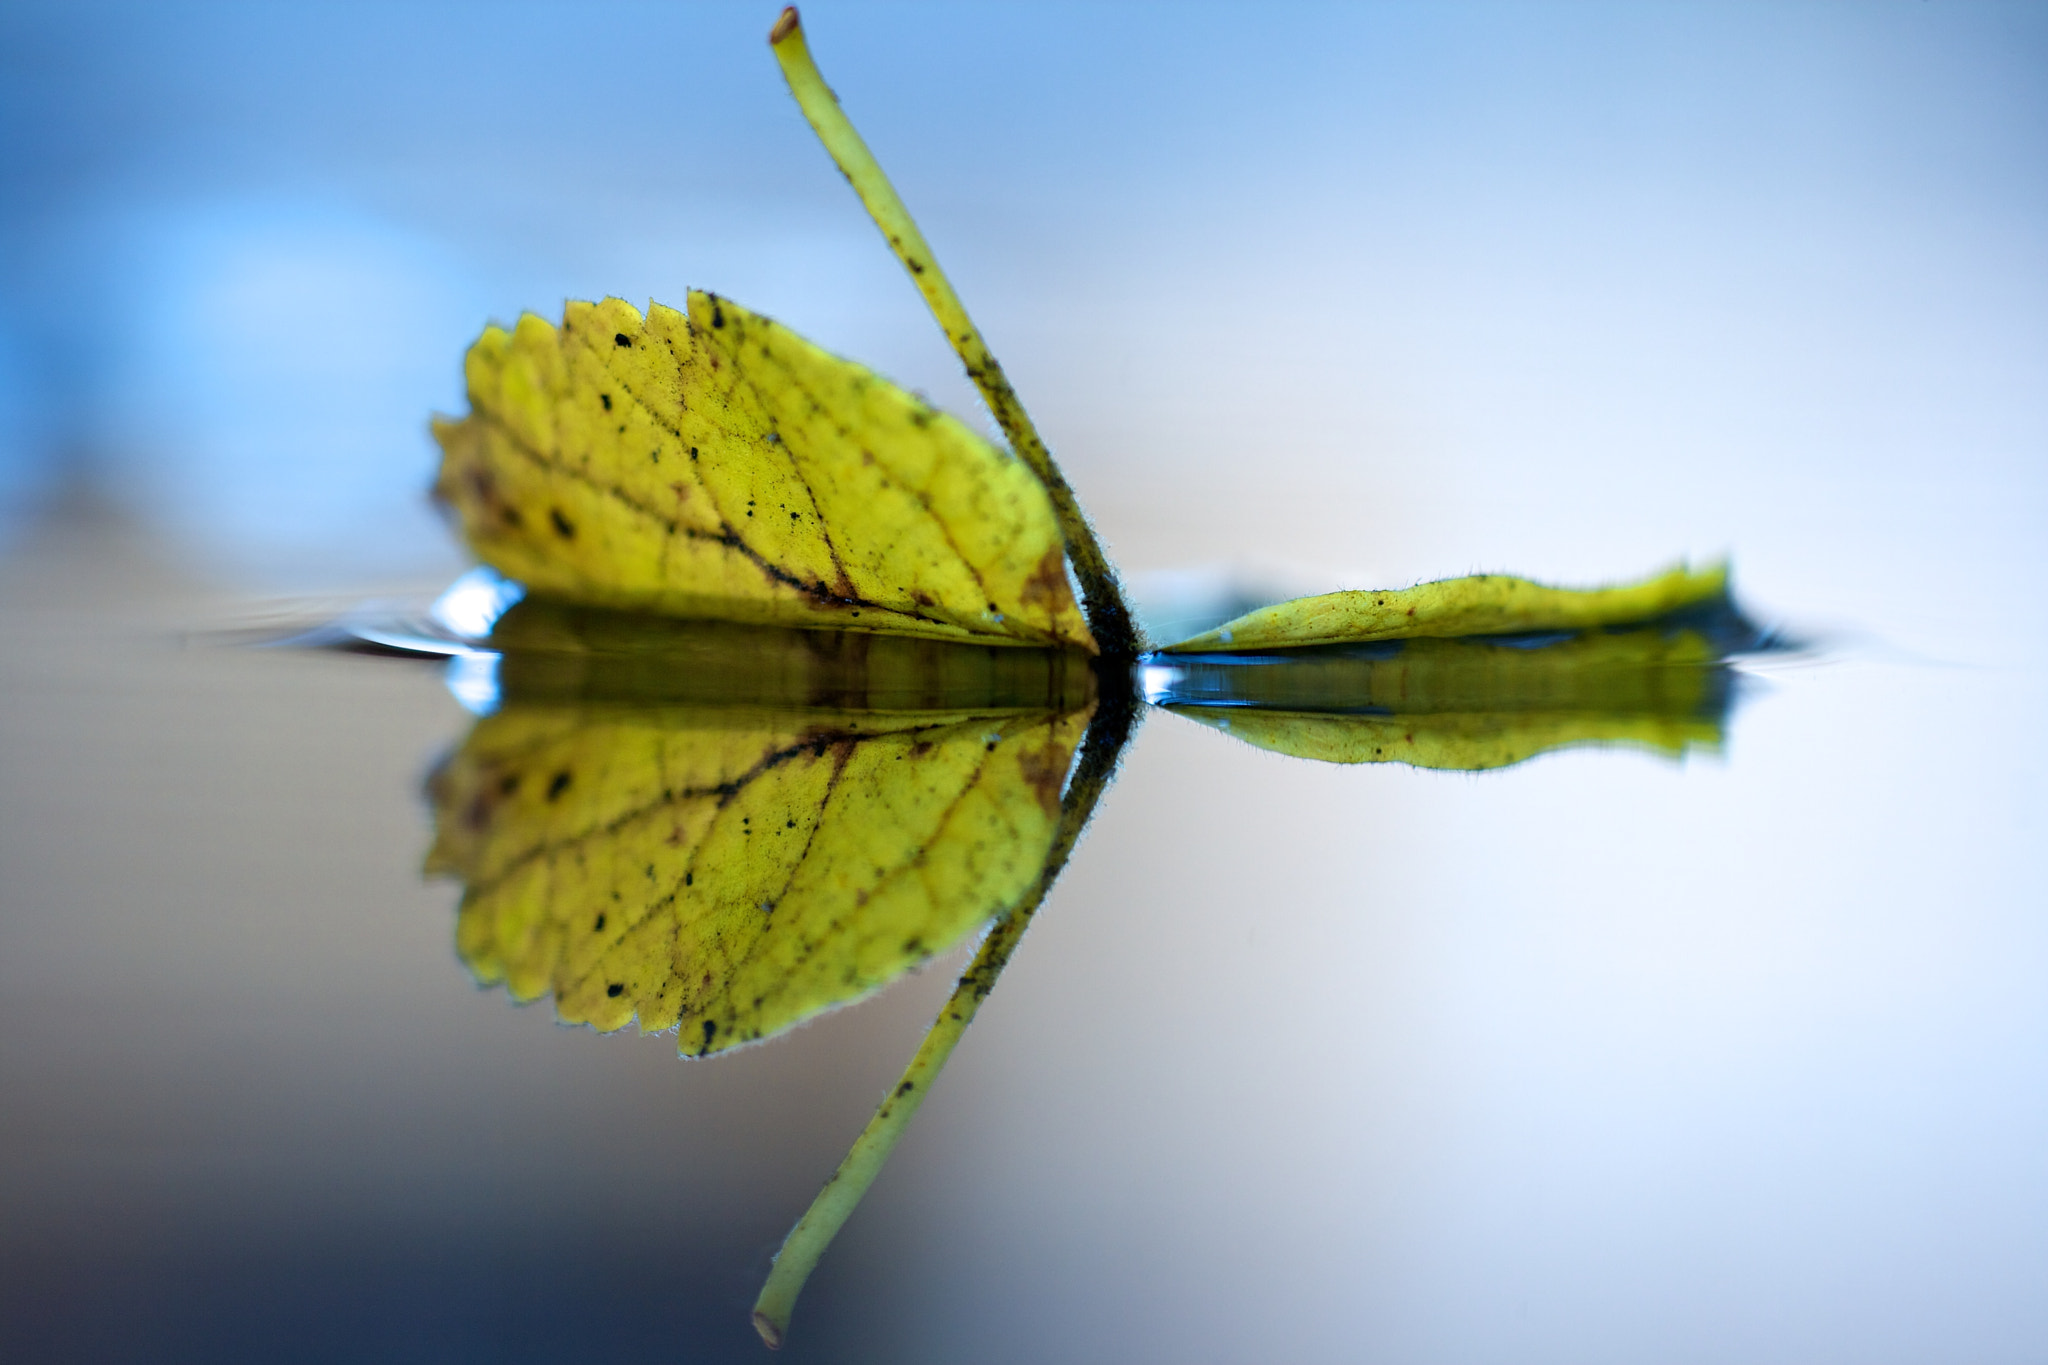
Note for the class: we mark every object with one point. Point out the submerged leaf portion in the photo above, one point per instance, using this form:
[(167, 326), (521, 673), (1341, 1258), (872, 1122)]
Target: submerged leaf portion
[(552, 652), (1464, 705), (1483, 604), (731, 871), (717, 465)]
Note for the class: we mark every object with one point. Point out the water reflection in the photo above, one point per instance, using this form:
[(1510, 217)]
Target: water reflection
[(725, 830), (1476, 703)]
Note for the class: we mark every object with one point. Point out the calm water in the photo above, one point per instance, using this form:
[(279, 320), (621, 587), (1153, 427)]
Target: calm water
[(1603, 1057)]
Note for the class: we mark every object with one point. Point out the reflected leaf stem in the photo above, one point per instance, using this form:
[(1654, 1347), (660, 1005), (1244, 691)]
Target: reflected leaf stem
[(1101, 749)]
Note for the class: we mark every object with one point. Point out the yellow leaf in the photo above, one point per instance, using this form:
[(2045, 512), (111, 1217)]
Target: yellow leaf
[(729, 871), (1465, 705), (1484, 604), (718, 465), (637, 847)]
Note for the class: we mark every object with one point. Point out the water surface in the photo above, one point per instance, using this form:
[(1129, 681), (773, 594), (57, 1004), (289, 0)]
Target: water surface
[(1599, 1057)]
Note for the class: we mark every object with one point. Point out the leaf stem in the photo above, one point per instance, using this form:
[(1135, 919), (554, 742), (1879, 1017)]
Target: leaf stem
[(1109, 616), (1101, 747)]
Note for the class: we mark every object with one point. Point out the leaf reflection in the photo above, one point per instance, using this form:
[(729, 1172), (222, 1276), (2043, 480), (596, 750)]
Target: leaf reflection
[(726, 829), (1476, 703)]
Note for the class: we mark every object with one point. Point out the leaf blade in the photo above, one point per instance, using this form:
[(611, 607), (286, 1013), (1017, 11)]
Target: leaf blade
[(1481, 604), (713, 464)]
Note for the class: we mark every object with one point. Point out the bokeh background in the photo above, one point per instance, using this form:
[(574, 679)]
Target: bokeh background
[(1599, 1059)]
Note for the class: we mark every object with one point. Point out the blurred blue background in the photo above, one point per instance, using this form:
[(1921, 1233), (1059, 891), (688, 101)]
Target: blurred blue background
[(1595, 1059), (1565, 289)]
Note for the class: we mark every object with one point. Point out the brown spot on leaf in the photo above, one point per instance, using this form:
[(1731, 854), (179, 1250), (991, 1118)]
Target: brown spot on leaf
[(476, 815), (1045, 770), (490, 503), (1047, 586)]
